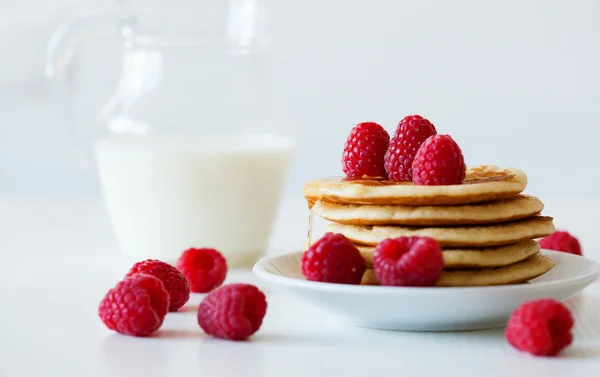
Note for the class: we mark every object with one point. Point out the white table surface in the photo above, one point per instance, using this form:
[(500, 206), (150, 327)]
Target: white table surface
[(59, 258)]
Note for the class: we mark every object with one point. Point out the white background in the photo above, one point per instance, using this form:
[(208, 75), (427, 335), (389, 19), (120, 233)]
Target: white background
[(515, 82)]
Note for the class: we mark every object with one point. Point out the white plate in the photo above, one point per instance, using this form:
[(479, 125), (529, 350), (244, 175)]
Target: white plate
[(433, 308)]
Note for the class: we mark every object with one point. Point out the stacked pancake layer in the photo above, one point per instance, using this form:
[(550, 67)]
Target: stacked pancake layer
[(485, 226)]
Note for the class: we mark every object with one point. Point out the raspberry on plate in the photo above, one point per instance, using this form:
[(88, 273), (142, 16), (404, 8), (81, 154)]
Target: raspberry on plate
[(204, 268), (411, 132), (408, 261), (333, 259), (136, 306), (561, 241), (233, 311), (439, 161), (364, 150), (173, 280), (540, 327)]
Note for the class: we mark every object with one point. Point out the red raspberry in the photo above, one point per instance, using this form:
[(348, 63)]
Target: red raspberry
[(233, 311), (410, 134), (333, 259), (173, 280), (408, 261), (364, 150), (136, 306), (561, 241), (204, 268), (540, 327), (439, 161)]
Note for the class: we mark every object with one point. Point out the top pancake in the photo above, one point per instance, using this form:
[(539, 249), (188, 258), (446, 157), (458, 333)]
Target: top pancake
[(482, 183)]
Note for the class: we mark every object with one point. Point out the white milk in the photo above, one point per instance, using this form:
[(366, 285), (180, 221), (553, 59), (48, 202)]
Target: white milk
[(165, 195)]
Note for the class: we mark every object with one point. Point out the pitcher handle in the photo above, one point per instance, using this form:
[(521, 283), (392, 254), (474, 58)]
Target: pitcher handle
[(59, 53)]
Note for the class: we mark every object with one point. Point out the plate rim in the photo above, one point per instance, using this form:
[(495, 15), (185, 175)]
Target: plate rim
[(259, 269)]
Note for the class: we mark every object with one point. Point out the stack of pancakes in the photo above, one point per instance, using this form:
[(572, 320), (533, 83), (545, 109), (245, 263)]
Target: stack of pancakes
[(486, 227)]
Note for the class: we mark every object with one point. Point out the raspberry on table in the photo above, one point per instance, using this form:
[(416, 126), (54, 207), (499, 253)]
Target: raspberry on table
[(173, 280), (561, 240), (204, 268), (364, 151), (408, 261), (540, 327), (411, 132), (136, 306), (233, 311), (333, 259), (439, 161)]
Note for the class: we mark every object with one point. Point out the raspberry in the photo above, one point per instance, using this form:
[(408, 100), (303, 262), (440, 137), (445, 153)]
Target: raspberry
[(410, 134), (233, 311), (136, 306), (364, 150), (540, 327), (204, 268), (173, 280), (408, 261), (333, 259), (561, 241), (439, 161)]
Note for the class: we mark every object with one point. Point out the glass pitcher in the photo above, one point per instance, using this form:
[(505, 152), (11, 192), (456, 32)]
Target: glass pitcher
[(192, 149)]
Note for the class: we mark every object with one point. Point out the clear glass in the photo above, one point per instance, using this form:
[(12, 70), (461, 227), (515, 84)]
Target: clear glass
[(192, 149)]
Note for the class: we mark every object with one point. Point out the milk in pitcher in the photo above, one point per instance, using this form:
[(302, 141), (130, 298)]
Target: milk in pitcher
[(169, 193)]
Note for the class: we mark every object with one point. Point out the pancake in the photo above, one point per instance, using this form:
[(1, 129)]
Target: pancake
[(510, 209), (520, 272), (476, 258), (483, 183), (452, 237)]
